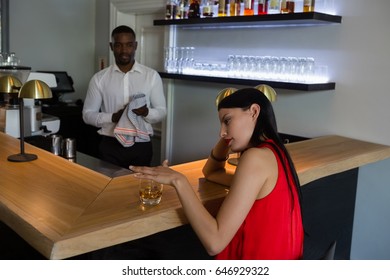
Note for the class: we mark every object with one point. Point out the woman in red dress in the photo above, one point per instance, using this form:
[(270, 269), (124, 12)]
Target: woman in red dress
[(260, 218)]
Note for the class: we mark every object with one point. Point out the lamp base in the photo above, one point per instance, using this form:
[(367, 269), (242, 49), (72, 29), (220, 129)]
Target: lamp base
[(22, 157)]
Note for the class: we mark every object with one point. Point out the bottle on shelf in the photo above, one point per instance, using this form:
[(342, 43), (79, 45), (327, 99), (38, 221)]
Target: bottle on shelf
[(249, 7), (283, 6), (262, 8), (182, 10), (194, 10), (207, 8), (291, 6), (235, 7), (170, 9), (273, 7), (287, 7), (308, 5), (222, 8)]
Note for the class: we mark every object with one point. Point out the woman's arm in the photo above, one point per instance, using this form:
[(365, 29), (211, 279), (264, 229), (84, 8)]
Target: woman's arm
[(216, 232), (214, 169)]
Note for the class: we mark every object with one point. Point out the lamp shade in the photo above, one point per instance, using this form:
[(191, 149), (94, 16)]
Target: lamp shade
[(268, 91), (9, 84), (224, 93), (35, 89)]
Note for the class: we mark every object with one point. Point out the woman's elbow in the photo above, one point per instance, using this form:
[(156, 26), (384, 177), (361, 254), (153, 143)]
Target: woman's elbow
[(206, 172), (214, 249), (209, 173)]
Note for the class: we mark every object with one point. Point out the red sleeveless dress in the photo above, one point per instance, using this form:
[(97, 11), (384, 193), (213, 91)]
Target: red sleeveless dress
[(273, 228)]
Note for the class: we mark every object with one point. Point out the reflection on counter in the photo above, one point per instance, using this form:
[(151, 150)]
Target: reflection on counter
[(100, 166)]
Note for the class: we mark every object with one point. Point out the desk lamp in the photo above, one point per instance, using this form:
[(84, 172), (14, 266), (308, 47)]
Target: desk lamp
[(33, 89), (268, 91), (10, 85)]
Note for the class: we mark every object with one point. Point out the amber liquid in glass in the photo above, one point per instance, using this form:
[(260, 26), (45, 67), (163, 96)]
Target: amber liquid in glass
[(150, 194)]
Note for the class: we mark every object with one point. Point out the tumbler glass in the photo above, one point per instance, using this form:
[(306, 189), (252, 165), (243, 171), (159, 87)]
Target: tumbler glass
[(150, 192)]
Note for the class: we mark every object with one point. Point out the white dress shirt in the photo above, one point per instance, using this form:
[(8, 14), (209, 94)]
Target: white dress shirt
[(111, 90)]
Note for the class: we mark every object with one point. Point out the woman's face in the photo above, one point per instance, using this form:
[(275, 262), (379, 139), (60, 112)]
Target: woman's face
[(237, 126)]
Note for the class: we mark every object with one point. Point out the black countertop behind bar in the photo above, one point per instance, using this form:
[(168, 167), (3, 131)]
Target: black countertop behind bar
[(85, 160)]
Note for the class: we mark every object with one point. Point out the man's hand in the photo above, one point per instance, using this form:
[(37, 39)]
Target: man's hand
[(116, 116), (141, 111)]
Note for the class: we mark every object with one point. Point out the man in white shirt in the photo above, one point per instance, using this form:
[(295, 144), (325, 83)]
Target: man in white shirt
[(110, 91)]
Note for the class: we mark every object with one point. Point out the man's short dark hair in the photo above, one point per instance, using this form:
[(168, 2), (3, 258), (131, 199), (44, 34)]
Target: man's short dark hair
[(122, 29)]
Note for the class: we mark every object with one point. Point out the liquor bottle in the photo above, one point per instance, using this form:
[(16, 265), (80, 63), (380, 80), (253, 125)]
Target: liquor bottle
[(182, 9), (222, 8), (290, 6), (207, 9), (263, 7), (235, 7), (274, 7), (170, 9), (287, 7), (249, 7), (308, 5), (194, 11)]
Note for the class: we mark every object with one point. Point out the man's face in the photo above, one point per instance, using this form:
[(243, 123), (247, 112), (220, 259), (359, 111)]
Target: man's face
[(123, 46)]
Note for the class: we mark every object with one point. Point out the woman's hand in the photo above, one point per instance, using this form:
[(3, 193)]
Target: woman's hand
[(215, 164), (161, 174)]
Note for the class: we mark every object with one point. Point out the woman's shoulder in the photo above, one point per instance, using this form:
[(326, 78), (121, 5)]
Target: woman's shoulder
[(265, 148), (258, 170), (261, 155)]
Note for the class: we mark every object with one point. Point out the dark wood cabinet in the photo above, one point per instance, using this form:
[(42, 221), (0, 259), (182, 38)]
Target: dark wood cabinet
[(328, 209)]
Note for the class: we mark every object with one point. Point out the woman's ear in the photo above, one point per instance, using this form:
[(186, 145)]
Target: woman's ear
[(255, 110)]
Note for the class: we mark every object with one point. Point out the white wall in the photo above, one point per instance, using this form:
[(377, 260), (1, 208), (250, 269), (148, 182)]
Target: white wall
[(102, 33), (55, 35)]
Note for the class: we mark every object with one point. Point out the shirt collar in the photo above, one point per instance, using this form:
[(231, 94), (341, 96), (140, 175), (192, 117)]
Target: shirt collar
[(136, 68)]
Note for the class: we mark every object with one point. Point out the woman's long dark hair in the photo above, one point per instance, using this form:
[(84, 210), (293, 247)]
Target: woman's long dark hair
[(265, 128)]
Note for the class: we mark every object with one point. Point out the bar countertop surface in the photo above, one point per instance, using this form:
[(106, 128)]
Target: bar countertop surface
[(64, 209)]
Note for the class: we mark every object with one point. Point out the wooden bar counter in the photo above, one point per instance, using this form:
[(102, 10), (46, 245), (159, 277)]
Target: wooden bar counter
[(63, 209)]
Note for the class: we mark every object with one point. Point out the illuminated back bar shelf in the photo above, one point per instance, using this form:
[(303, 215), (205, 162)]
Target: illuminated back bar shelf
[(251, 82), (271, 20), (256, 21)]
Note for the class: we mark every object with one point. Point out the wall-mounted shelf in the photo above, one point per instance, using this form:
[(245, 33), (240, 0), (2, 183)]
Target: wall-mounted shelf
[(272, 20), (250, 82), (257, 21)]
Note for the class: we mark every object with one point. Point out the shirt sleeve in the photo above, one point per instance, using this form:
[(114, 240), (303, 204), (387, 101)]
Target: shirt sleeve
[(92, 105), (157, 108)]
